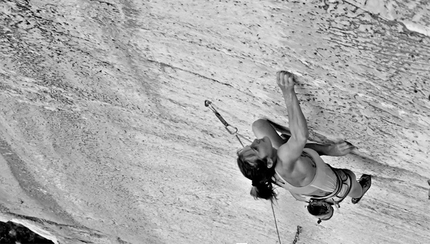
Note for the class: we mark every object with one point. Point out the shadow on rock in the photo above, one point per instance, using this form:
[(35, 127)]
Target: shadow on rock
[(16, 233)]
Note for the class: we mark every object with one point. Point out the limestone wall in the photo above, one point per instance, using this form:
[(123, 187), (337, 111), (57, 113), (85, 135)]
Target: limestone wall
[(105, 138)]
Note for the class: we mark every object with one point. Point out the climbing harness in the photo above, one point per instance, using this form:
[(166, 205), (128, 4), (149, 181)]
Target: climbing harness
[(322, 207), (343, 179), (234, 131)]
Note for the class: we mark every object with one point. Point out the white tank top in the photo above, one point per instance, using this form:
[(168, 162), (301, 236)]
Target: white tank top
[(323, 183)]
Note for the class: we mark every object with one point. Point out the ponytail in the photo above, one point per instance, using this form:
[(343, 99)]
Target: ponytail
[(261, 177)]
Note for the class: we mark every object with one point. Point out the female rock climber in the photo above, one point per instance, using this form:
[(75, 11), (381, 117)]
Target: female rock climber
[(294, 164)]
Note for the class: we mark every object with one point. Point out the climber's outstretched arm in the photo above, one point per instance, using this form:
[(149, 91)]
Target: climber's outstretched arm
[(341, 148), (291, 151), (265, 127)]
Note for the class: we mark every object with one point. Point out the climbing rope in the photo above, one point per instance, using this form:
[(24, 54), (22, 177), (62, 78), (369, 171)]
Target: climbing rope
[(234, 131), (276, 224)]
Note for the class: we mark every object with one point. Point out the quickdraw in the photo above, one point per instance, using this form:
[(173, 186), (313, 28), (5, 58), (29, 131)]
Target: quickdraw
[(231, 129)]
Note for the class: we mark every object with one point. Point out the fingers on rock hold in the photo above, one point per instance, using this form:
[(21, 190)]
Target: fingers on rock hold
[(350, 144)]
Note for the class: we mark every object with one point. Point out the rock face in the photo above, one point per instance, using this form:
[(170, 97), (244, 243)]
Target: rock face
[(105, 139), (413, 14)]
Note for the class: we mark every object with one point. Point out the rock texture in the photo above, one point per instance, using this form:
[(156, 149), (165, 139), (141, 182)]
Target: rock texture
[(104, 137)]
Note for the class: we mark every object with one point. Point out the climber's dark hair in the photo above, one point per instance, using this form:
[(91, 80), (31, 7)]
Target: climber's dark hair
[(255, 169)]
